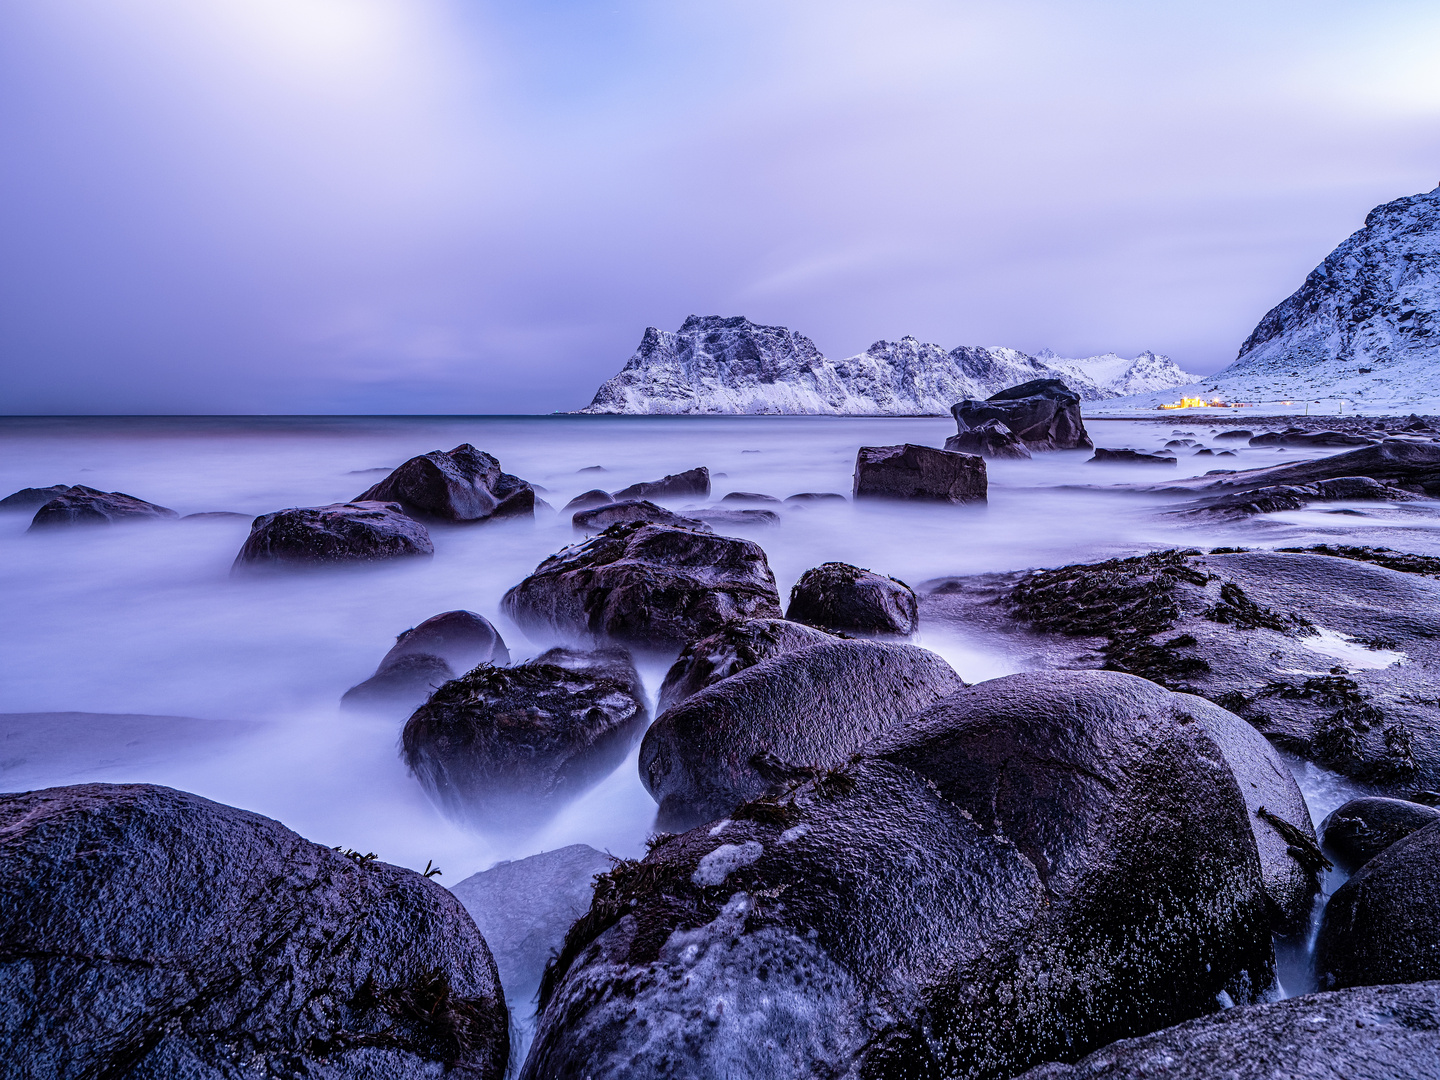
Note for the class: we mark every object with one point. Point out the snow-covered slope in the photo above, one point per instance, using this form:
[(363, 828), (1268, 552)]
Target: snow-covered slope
[(731, 365)]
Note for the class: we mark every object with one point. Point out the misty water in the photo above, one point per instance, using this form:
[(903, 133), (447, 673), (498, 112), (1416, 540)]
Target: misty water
[(146, 619)]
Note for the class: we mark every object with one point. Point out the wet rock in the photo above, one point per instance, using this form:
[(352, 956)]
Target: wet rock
[(1369, 1033), (85, 506), (32, 498), (523, 909), (814, 497), (338, 533), (919, 473), (1269, 500), (1302, 437), (752, 519), (806, 709), (1033, 867), (649, 585), (152, 933), (734, 647), (675, 486), (1383, 925), (1129, 457), (749, 497), (1414, 466), (992, 439), (587, 500), (1043, 413), (459, 485), (633, 510), (1363, 828), (510, 746), (1204, 452), (838, 596), (1237, 435), (426, 656)]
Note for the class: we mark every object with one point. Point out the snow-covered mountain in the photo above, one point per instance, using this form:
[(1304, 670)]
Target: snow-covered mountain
[(714, 364)]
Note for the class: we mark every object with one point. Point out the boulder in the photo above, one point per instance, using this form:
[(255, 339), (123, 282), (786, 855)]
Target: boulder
[(919, 473), (338, 533), (838, 596), (510, 746), (86, 506), (1173, 443), (459, 485), (1237, 435), (1029, 870), (749, 497), (1043, 413), (1383, 925), (692, 482), (31, 498), (1363, 828), (152, 933), (1365, 1033), (807, 709), (805, 497), (1302, 437), (1129, 457), (1269, 500), (427, 655), (734, 647), (632, 510), (589, 499), (992, 439), (649, 585), (752, 519)]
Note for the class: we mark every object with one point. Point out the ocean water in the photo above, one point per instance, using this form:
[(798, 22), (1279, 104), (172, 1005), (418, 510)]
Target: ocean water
[(147, 620)]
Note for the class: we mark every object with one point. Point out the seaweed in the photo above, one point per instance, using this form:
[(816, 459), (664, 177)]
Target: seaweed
[(1302, 846), (1235, 608), (427, 1018), (1403, 561)]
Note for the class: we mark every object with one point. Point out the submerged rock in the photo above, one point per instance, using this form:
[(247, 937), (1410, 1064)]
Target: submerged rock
[(1043, 413), (805, 497), (992, 439), (808, 709), (426, 656), (1034, 867), (734, 647), (1304, 437), (676, 485), (86, 506), (632, 510), (1369, 1033), (338, 533), (919, 473), (589, 499), (749, 497), (751, 519), (838, 596), (1129, 457), (510, 746), (459, 485), (648, 585), (152, 933), (1363, 828)]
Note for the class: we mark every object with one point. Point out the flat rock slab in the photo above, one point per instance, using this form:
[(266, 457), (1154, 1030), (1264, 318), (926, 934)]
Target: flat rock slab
[(675, 486), (357, 532)]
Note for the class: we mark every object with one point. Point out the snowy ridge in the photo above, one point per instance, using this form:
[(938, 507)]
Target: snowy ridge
[(714, 364)]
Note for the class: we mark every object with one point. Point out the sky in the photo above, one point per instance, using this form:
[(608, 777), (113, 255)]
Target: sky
[(437, 206)]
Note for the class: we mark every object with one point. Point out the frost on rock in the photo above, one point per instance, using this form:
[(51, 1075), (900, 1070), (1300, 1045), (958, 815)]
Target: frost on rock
[(714, 364)]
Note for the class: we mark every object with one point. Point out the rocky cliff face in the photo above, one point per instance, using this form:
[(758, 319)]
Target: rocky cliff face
[(732, 365)]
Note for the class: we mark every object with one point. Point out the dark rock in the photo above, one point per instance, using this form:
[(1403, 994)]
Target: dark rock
[(1204, 452), (86, 506), (633, 510), (738, 518), (426, 656), (992, 439), (1032, 868), (815, 496), (1179, 442), (1237, 435), (523, 909), (338, 533), (1225, 453), (749, 496), (807, 709), (463, 484), (1129, 457), (1363, 828), (1414, 466), (510, 746), (216, 515), (1269, 500), (919, 473), (838, 596), (32, 498), (152, 933), (1366, 1033), (1302, 437), (649, 585), (592, 468), (588, 499), (1383, 925), (674, 486), (734, 647), (1043, 413)]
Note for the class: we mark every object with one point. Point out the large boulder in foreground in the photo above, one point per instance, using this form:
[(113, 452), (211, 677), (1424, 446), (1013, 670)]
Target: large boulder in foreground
[(152, 933), (339, 533), (646, 585), (511, 746), (1369, 1033), (1029, 870), (599, 518), (805, 710), (691, 482), (838, 596), (734, 647), (1383, 925), (919, 473), (460, 485), (1361, 829), (992, 439), (1043, 413), (82, 505), (426, 656)]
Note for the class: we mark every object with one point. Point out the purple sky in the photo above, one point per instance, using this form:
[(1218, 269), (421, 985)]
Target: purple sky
[(445, 206)]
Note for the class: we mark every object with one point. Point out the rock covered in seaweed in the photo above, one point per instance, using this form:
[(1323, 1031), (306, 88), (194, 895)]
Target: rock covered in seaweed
[(338, 533), (459, 485), (838, 596)]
